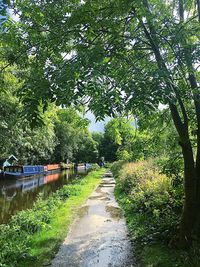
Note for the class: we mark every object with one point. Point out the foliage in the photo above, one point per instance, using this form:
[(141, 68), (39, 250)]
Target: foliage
[(16, 135), (14, 243), (172, 167), (109, 41), (159, 255), (107, 165), (157, 137), (74, 140), (156, 203), (94, 167), (87, 149), (118, 138), (123, 155), (15, 236), (115, 57), (151, 196), (99, 137), (62, 135), (127, 140), (116, 167)]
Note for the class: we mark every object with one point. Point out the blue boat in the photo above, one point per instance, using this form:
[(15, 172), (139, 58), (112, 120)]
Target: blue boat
[(22, 171)]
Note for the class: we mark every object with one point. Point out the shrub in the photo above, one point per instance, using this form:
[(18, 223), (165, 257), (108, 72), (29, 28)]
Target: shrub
[(94, 167), (143, 190), (123, 155), (14, 245), (30, 221), (116, 167), (107, 165), (70, 190)]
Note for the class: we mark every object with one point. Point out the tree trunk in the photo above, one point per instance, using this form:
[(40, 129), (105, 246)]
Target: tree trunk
[(197, 224), (198, 9), (190, 209)]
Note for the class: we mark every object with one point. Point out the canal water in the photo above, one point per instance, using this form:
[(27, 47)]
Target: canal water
[(20, 194)]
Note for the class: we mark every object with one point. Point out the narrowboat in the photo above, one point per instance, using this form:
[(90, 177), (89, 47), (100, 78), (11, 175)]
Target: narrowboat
[(83, 166), (22, 171), (52, 167)]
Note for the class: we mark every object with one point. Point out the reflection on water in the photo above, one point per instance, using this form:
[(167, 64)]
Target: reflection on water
[(19, 194)]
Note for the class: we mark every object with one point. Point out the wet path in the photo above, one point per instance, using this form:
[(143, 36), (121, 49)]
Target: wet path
[(98, 238)]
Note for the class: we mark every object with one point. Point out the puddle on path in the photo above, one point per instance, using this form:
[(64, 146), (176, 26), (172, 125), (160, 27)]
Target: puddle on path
[(100, 198), (98, 238), (115, 212), (83, 210)]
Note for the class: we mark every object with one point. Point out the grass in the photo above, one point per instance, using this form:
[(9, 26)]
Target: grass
[(45, 244)]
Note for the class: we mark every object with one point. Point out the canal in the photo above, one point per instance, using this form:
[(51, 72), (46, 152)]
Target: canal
[(20, 194)]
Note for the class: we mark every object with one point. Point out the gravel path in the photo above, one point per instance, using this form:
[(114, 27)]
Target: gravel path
[(98, 238)]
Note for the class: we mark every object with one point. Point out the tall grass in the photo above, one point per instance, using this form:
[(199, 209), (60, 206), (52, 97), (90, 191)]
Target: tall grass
[(149, 194), (152, 205)]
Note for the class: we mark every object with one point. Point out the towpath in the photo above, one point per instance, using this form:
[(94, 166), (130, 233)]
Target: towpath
[(98, 238)]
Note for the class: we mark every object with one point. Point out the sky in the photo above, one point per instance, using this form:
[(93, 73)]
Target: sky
[(96, 126)]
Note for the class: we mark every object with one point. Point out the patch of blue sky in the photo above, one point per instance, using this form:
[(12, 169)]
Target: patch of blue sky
[(96, 126)]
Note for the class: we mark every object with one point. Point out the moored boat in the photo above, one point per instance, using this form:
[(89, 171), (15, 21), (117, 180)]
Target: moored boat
[(26, 170), (52, 167)]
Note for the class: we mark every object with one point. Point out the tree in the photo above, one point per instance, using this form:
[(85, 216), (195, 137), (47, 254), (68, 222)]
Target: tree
[(74, 140), (118, 138), (62, 135), (16, 135), (9, 111), (87, 149), (98, 137), (3, 11), (120, 56)]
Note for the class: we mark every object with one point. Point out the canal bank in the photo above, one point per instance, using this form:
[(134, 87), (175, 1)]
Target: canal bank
[(21, 193), (33, 236)]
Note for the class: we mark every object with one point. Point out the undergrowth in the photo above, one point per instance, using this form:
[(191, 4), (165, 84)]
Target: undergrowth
[(152, 203)]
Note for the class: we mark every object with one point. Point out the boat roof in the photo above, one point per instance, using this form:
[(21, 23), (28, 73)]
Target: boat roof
[(11, 166), (14, 166), (12, 157)]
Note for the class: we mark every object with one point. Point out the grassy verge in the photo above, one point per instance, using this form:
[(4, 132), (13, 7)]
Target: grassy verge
[(44, 244), (33, 236), (152, 207)]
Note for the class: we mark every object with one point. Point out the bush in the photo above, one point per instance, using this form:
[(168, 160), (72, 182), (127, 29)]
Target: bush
[(14, 245), (30, 221), (107, 165), (173, 168), (116, 167), (150, 195), (94, 167), (123, 155)]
